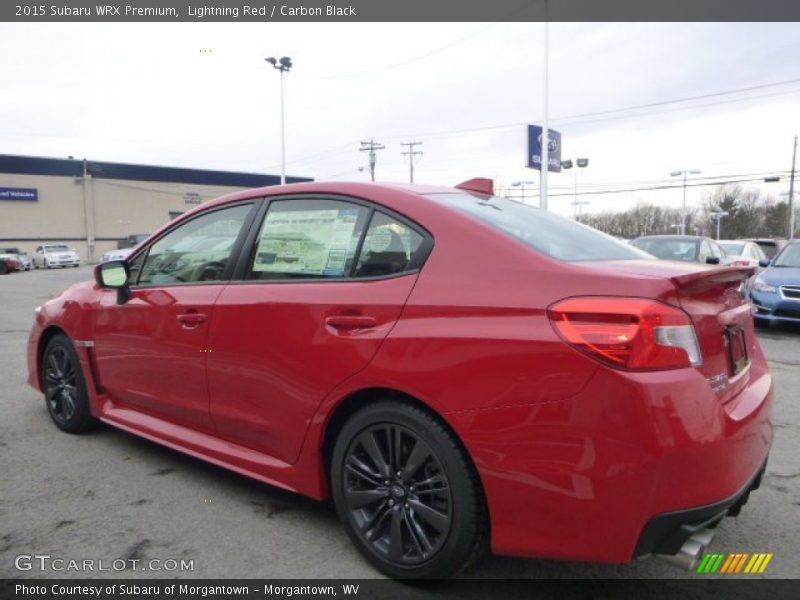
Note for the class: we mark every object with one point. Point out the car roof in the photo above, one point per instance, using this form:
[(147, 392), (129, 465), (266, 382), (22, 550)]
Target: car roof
[(347, 188), (685, 238)]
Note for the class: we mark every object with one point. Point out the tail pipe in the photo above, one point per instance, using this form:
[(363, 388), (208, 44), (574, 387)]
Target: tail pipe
[(692, 551)]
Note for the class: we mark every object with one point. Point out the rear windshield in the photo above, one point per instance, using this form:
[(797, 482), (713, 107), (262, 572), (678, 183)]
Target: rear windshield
[(668, 248), (544, 231), (790, 257), (769, 248), (733, 249), (56, 248)]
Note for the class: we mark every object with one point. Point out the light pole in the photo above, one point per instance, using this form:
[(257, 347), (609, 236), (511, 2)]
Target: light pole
[(683, 209), (718, 215), (791, 191), (283, 65), (521, 185), (580, 163)]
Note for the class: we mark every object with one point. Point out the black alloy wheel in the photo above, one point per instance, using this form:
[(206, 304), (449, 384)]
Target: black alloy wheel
[(65, 387), (406, 493)]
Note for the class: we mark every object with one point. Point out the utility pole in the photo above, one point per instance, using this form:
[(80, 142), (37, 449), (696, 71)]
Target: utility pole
[(371, 146), (411, 154), (545, 166), (791, 192), (684, 173)]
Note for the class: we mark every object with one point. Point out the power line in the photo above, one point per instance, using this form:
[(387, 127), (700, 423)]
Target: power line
[(688, 98), (660, 187), (403, 62), (575, 119)]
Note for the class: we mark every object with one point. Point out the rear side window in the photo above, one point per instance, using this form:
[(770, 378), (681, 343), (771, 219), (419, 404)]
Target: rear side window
[(315, 238), (389, 247), (308, 239), (770, 249), (550, 234)]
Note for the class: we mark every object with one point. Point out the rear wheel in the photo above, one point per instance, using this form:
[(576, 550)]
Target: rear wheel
[(65, 387), (406, 492)]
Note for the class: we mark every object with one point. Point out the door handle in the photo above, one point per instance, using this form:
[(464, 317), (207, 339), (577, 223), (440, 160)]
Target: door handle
[(191, 319), (350, 322)]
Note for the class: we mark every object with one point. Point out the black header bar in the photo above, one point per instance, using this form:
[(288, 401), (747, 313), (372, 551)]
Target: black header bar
[(400, 10)]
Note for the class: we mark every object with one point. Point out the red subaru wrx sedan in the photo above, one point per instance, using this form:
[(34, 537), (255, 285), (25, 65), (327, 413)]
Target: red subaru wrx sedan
[(459, 372)]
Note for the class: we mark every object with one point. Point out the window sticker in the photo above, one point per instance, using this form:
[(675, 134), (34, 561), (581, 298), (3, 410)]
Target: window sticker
[(313, 242)]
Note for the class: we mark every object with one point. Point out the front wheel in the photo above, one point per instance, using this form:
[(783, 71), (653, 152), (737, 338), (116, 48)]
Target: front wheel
[(65, 387), (406, 492)]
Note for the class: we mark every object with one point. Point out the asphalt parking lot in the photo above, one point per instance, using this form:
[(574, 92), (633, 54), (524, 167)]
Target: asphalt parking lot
[(109, 495)]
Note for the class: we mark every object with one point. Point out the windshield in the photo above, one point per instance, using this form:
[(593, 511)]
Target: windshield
[(56, 248), (733, 249), (544, 231), (668, 249), (790, 257)]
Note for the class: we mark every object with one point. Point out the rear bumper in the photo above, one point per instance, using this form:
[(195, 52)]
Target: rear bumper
[(584, 478), (666, 533)]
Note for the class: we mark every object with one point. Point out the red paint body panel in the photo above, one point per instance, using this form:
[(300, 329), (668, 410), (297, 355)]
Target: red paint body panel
[(574, 457), (144, 352), (273, 357)]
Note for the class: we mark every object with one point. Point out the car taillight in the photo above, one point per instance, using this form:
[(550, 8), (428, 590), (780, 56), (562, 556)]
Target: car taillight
[(628, 333)]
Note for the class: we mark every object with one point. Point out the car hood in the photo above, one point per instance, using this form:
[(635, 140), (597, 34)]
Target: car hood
[(781, 275)]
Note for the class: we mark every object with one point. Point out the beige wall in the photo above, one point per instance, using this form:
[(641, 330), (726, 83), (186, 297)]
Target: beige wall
[(71, 210)]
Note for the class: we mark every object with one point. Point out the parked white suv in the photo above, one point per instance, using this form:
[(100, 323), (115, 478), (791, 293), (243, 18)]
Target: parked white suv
[(55, 255)]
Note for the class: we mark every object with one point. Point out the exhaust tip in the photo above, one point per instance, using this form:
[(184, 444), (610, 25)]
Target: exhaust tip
[(692, 551)]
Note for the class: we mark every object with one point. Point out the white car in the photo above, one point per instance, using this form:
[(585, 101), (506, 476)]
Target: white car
[(742, 252), (116, 254), (55, 255)]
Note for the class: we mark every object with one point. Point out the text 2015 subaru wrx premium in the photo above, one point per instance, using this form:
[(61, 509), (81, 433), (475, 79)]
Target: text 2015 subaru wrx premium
[(458, 372)]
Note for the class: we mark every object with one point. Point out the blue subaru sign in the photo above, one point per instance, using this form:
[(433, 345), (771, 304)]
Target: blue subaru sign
[(534, 160), (31, 194)]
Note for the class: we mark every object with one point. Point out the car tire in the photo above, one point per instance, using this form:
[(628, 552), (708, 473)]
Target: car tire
[(64, 386), (427, 522)]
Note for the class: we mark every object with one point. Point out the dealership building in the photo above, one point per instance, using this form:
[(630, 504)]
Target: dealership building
[(92, 205)]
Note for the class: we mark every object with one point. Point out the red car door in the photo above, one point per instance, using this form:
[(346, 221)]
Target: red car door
[(311, 311), (151, 349)]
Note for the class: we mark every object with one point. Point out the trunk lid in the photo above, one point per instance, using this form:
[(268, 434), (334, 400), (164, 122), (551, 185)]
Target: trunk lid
[(713, 298)]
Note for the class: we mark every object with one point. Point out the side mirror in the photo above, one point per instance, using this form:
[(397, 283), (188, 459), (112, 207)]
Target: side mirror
[(114, 275), (712, 260), (764, 262)]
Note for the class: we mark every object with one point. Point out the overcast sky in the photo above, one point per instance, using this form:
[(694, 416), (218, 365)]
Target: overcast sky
[(200, 95)]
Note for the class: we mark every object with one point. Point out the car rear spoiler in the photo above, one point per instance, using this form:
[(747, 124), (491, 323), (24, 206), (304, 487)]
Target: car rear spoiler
[(478, 184), (711, 277)]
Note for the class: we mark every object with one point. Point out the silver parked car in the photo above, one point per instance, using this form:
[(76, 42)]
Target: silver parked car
[(743, 252), (55, 255), (116, 254)]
